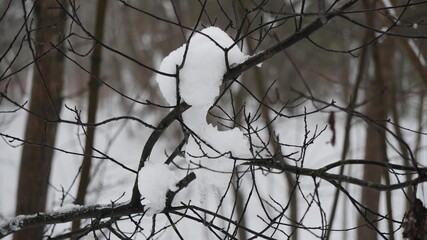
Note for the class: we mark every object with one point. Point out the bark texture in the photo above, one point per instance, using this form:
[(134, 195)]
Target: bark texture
[(45, 104)]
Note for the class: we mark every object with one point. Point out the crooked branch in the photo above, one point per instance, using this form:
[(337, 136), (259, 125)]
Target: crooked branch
[(282, 45), (336, 178)]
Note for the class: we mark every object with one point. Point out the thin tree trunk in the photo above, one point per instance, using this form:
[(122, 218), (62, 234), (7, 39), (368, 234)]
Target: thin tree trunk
[(289, 178), (414, 59), (420, 119), (361, 70), (240, 206), (46, 103), (375, 149), (375, 144), (92, 109)]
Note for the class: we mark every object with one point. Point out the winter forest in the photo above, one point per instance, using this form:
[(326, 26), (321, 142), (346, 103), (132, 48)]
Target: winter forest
[(213, 119)]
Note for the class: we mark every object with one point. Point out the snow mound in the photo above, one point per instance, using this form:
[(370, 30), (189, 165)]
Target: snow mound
[(209, 151), (204, 66), (154, 181)]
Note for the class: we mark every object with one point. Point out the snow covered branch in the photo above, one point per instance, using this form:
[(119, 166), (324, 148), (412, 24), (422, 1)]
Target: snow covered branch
[(76, 212), (98, 211)]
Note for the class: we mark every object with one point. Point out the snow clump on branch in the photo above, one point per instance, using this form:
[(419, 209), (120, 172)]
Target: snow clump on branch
[(199, 65), (204, 66), (154, 181)]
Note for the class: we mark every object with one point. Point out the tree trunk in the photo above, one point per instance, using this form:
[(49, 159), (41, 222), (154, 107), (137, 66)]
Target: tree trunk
[(375, 144), (92, 109), (361, 69), (46, 103)]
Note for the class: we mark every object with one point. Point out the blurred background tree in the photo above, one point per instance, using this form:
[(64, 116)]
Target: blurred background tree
[(45, 107)]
